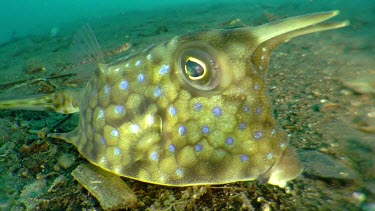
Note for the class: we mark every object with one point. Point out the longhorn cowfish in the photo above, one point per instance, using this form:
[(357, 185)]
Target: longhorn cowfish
[(193, 110)]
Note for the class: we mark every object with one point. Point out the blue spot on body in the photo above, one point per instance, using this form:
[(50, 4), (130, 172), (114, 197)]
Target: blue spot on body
[(164, 69), (106, 89), (198, 106), (217, 111), (256, 87), (179, 172), (244, 158), (141, 78), (242, 126), (139, 62), (257, 111), (205, 129), (246, 109), (117, 151), (258, 135), (198, 148), (269, 156), (229, 141), (154, 156), (172, 148), (181, 130), (114, 133), (273, 131), (102, 141), (119, 109), (172, 111), (124, 85), (157, 91)]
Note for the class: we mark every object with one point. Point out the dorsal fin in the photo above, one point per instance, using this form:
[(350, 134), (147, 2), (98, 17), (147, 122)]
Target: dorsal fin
[(86, 53), (87, 44)]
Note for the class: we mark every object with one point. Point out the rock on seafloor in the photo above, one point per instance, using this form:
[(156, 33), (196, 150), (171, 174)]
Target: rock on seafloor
[(321, 165), (363, 85), (110, 190)]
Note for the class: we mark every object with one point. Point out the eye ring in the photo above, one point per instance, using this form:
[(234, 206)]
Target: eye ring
[(198, 69), (189, 72)]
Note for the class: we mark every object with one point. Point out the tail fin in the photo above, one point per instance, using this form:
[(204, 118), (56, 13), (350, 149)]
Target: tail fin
[(86, 49), (65, 102)]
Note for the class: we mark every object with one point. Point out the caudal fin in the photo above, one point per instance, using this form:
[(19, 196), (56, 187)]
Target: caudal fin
[(65, 102)]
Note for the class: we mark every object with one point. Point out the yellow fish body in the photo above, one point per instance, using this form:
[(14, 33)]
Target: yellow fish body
[(191, 111)]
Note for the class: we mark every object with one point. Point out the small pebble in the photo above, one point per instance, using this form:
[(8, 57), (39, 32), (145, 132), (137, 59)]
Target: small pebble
[(66, 160), (362, 85), (359, 197)]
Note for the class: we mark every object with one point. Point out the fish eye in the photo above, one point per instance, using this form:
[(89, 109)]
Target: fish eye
[(198, 69), (195, 69)]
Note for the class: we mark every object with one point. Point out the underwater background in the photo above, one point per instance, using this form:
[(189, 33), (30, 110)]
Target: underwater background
[(322, 86)]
